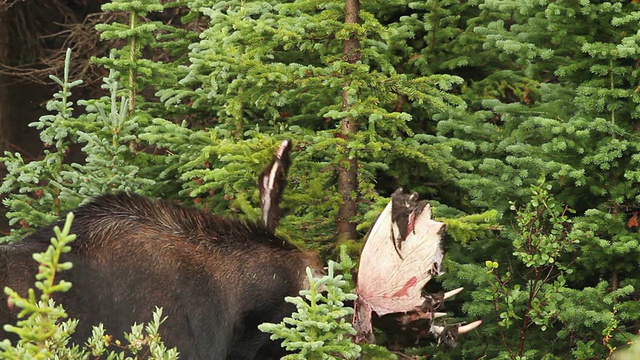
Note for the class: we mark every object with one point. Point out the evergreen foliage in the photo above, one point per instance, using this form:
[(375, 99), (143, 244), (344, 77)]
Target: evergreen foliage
[(470, 103), (544, 243), (567, 113), (268, 68), (48, 187), (321, 327), (38, 179)]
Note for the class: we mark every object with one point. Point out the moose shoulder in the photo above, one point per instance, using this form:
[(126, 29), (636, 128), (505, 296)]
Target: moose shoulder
[(216, 278)]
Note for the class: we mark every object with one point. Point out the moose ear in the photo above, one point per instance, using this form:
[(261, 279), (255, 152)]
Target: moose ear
[(272, 182)]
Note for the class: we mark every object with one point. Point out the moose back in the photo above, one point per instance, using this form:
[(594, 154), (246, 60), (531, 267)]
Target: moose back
[(216, 278)]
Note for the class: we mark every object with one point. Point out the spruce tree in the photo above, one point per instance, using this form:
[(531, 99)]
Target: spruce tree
[(268, 68), (320, 326), (568, 115)]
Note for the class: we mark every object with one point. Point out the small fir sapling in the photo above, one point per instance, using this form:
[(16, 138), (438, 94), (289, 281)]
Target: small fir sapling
[(39, 191), (321, 327)]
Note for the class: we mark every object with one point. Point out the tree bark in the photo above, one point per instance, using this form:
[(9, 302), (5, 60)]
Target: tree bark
[(348, 168)]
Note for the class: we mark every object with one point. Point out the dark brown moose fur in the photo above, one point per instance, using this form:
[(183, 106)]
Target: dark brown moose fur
[(216, 278)]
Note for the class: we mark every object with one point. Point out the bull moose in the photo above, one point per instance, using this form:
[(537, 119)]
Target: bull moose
[(216, 278)]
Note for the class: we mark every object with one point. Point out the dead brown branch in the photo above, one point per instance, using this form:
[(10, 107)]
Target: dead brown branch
[(82, 38), (44, 39)]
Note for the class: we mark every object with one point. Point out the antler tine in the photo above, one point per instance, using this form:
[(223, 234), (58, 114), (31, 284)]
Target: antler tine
[(462, 329), (448, 334), (470, 326), (453, 292)]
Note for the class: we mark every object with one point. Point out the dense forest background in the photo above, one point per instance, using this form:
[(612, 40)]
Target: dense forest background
[(518, 120)]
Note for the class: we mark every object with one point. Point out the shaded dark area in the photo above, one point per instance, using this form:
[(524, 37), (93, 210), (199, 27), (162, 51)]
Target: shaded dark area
[(33, 39)]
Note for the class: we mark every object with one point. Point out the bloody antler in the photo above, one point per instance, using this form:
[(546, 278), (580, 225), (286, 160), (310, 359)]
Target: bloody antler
[(402, 252)]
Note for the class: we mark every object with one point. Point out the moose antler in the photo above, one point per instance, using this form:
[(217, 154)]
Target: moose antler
[(403, 250)]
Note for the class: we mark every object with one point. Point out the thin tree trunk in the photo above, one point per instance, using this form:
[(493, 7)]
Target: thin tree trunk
[(348, 169)]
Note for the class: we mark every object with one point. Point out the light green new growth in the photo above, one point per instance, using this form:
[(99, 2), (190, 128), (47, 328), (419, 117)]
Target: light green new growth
[(40, 337), (321, 327)]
